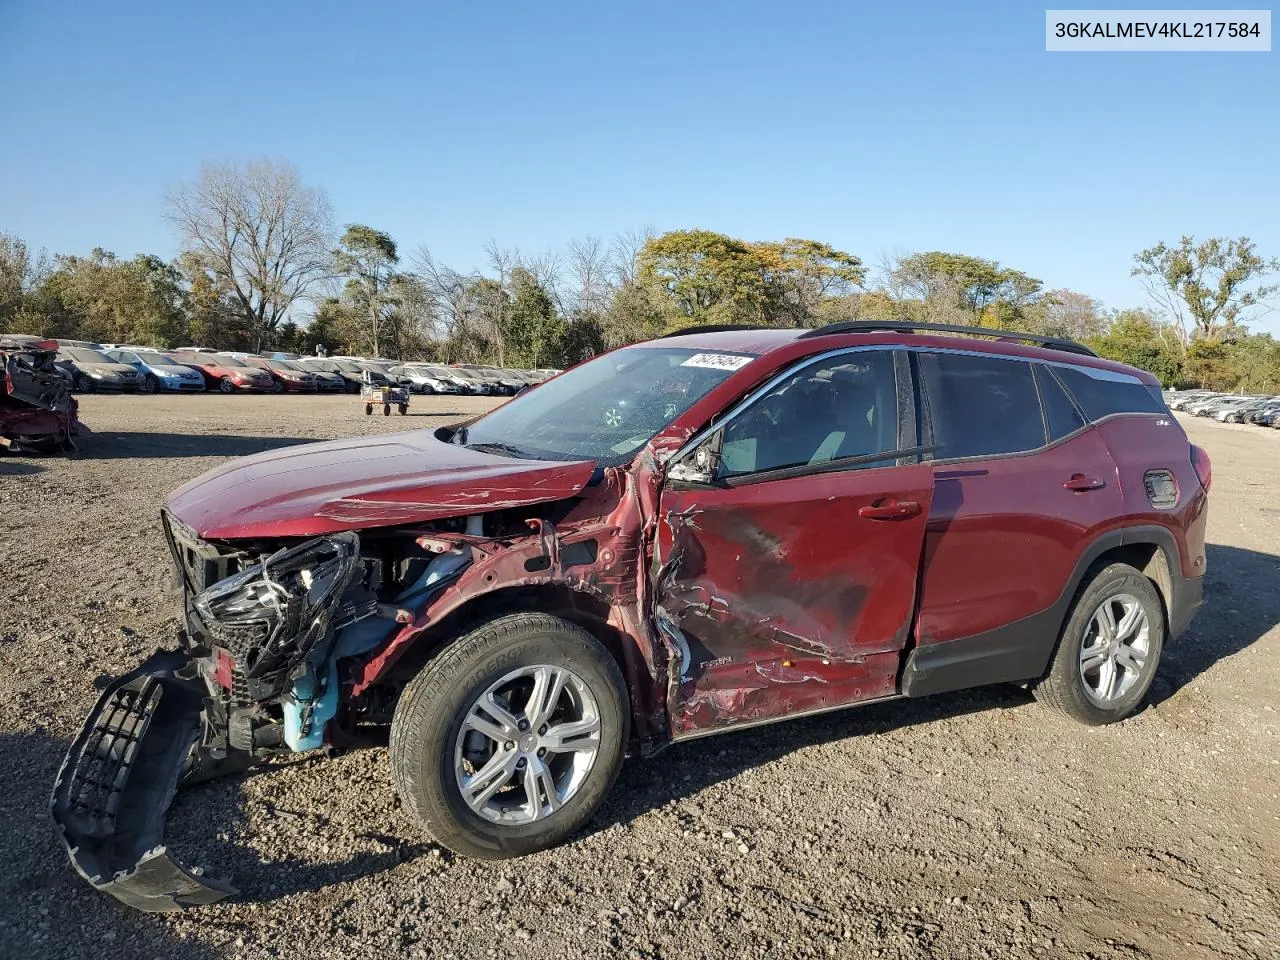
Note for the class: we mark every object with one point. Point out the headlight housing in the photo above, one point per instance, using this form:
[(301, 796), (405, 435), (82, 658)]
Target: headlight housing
[(270, 616)]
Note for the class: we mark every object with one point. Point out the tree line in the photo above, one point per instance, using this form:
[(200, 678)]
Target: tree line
[(260, 250)]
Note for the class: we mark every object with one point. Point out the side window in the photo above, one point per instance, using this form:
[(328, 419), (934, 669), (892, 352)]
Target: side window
[(840, 408), (1101, 393), (1060, 414), (980, 406)]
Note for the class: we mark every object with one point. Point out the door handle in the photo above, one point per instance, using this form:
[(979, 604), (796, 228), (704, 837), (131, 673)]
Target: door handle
[(1080, 483), (889, 510)]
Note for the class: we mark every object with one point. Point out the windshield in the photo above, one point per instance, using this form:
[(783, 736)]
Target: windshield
[(282, 365), (222, 361), (159, 359), (606, 409)]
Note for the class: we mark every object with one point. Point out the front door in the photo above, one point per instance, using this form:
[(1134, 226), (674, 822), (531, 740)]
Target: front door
[(788, 583)]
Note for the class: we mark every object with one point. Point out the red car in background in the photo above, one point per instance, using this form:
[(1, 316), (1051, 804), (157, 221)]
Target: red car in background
[(226, 373), (285, 377)]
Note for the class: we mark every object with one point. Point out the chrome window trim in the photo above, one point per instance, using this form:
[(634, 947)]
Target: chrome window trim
[(1094, 372), (790, 371)]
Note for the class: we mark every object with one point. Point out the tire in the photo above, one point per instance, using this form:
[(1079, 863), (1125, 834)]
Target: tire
[(150, 384), (427, 736), (1070, 686), (386, 409), (404, 409), (226, 386), (84, 383), (277, 387), (368, 409)]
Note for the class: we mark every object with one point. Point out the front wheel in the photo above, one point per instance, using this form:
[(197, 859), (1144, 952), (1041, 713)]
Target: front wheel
[(226, 385), (84, 383), (151, 384), (508, 741), (1109, 649)]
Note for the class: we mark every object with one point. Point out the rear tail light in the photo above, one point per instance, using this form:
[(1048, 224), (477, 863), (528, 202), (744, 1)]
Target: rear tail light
[(1204, 468)]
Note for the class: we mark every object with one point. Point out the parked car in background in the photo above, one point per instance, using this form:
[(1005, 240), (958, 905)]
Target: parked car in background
[(423, 378), (1181, 399), (83, 344), (1265, 410), (225, 373), (159, 371), (471, 382), (379, 374), (285, 376), (93, 370), (1241, 412), (350, 374), (37, 411), (500, 383)]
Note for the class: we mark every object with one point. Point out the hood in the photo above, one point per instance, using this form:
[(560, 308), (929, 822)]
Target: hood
[(173, 369), (316, 488), (109, 369)]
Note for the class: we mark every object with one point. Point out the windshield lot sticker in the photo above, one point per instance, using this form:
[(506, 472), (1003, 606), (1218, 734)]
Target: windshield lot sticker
[(717, 361)]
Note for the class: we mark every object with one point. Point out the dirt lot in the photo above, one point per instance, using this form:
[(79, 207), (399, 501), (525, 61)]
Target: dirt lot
[(971, 825)]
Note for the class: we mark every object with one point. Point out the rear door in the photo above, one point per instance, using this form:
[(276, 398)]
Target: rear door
[(788, 583), (1023, 483)]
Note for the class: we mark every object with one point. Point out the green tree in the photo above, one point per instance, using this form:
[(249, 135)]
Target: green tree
[(1207, 364), (801, 274), (1135, 337), (1207, 287), (707, 277), (947, 283), (534, 331), (368, 258)]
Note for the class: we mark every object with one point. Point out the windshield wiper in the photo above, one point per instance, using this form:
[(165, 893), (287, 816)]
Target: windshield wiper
[(503, 448)]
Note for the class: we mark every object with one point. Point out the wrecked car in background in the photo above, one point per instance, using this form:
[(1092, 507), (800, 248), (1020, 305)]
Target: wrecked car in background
[(698, 534), (37, 411)]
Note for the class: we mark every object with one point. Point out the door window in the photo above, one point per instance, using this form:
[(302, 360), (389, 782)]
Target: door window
[(843, 408), (1060, 415), (980, 406)]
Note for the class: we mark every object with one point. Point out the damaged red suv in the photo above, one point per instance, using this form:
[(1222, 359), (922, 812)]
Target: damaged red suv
[(694, 535)]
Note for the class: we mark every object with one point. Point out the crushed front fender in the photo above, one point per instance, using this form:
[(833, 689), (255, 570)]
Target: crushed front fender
[(119, 778)]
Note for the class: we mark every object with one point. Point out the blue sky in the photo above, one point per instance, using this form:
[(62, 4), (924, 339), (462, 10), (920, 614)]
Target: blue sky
[(904, 127)]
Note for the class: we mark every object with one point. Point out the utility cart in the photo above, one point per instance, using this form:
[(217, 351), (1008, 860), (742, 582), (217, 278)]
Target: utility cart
[(387, 395)]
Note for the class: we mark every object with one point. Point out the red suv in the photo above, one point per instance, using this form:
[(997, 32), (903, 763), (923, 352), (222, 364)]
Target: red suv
[(709, 531)]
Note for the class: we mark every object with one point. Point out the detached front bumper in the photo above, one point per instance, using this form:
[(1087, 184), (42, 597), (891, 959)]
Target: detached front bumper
[(119, 778)]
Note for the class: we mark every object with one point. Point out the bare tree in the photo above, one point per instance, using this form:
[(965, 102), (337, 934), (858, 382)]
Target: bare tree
[(589, 270), (260, 231), (624, 253), (447, 290)]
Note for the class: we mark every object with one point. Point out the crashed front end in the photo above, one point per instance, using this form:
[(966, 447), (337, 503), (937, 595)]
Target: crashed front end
[(37, 411), (256, 675)]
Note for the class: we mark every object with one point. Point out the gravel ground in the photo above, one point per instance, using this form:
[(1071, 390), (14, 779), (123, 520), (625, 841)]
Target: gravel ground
[(970, 825)]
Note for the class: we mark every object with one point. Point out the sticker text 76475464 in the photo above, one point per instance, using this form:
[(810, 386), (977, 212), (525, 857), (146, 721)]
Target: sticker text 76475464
[(717, 361)]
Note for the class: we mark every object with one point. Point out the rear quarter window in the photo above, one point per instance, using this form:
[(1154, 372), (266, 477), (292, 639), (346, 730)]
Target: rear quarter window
[(1100, 393), (980, 406)]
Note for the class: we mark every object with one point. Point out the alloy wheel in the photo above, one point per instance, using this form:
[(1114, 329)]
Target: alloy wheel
[(1115, 649), (527, 744)]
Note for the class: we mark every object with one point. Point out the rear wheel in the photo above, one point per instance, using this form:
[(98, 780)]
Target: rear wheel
[(1109, 649), (404, 409), (508, 741), (368, 409)]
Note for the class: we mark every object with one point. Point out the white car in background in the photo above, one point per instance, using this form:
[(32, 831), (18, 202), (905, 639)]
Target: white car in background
[(425, 379)]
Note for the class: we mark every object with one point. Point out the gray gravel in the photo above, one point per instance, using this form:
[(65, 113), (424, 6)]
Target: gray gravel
[(970, 825)]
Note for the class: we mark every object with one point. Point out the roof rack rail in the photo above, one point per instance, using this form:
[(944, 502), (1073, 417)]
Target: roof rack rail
[(905, 326), (713, 328)]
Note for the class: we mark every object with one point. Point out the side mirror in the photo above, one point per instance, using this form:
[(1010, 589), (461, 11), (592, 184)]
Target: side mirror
[(700, 464)]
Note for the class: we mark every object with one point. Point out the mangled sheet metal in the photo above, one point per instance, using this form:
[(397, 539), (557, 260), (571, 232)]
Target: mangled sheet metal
[(37, 411)]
